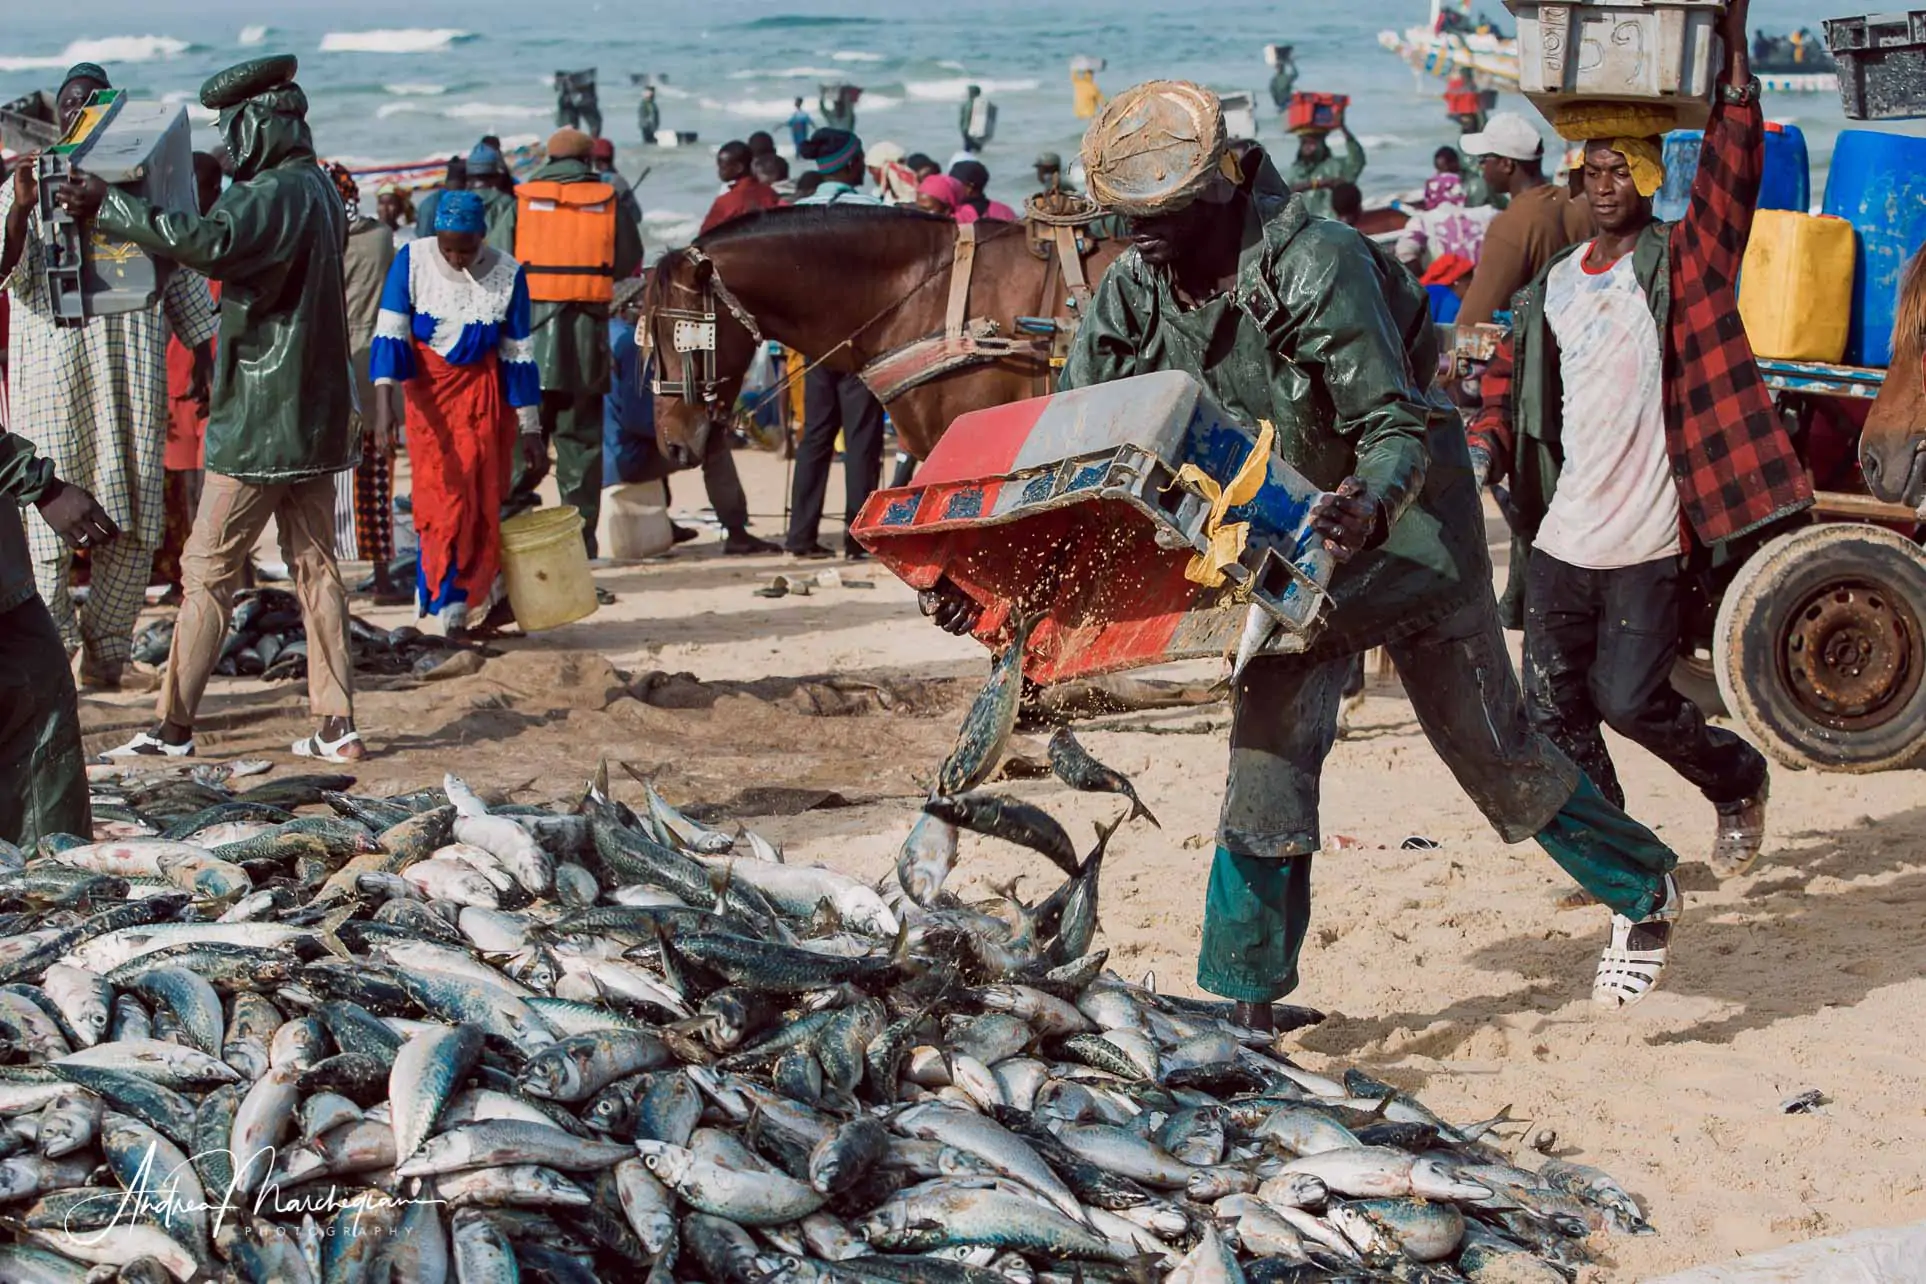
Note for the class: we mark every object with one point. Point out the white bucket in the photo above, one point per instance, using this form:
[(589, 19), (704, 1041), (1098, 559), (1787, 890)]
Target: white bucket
[(635, 521)]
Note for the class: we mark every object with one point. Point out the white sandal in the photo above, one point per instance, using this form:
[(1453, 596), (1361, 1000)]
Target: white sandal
[(1626, 975), (313, 746), (147, 745)]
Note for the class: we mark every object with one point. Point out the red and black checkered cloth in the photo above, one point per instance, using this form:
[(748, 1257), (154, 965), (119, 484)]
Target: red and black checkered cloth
[(1731, 456)]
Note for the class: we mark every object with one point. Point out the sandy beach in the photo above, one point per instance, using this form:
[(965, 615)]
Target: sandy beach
[(818, 720)]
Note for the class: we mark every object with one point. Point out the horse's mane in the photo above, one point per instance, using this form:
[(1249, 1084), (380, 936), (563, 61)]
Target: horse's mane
[(1909, 318)]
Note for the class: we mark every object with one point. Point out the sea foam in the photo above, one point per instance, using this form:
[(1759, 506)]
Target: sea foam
[(108, 49), (399, 40)]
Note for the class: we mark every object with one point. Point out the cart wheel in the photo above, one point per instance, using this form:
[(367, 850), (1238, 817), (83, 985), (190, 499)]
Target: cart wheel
[(1694, 677), (1820, 648)]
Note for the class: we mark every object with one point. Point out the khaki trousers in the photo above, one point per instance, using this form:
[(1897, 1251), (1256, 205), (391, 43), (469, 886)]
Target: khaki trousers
[(231, 518)]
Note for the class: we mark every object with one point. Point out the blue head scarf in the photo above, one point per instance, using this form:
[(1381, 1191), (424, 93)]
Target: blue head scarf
[(486, 160), (460, 212)]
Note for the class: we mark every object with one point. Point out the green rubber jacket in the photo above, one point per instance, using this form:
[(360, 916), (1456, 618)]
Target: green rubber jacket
[(1325, 336), (283, 401), (572, 339), (24, 478), (1335, 168)]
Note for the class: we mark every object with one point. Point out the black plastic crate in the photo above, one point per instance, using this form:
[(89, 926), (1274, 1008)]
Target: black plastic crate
[(1882, 64)]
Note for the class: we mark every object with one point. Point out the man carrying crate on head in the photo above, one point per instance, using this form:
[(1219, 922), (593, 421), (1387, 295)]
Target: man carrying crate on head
[(1303, 323), (1626, 399)]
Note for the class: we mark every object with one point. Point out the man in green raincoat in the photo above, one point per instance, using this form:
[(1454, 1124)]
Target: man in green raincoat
[(572, 350), (43, 775), (281, 422), (1304, 323), (1317, 169)]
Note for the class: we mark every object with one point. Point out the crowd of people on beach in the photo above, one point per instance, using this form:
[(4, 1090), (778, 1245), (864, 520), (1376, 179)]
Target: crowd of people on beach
[(490, 325)]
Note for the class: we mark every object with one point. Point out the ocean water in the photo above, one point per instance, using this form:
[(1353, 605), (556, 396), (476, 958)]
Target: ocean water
[(395, 83)]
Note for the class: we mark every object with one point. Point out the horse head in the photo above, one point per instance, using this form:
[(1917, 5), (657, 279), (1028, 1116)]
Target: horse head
[(699, 343), (1892, 447)]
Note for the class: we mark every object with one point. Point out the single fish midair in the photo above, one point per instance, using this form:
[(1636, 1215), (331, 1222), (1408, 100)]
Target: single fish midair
[(1076, 768), (1012, 821), (986, 729)]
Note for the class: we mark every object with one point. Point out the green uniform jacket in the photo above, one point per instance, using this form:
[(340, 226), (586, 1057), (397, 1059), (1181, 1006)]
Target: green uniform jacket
[(24, 478), (1335, 168), (648, 115), (1329, 339), (283, 399), (498, 208), (572, 339)]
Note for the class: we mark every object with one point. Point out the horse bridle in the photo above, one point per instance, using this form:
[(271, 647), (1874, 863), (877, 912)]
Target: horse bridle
[(693, 331)]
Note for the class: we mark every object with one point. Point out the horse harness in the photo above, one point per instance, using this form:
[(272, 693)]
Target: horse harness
[(964, 341), (693, 334)]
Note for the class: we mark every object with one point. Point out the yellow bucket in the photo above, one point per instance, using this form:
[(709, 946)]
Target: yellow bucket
[(546, 568)]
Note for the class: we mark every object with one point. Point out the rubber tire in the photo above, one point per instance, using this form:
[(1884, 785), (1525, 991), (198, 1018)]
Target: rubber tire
[(1772, 582), (1697, 679)]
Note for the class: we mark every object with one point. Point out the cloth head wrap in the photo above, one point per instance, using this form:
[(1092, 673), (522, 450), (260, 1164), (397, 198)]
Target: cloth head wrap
[(344, 183), (883, 155), (973, 173), (1644, 157), (567, 144), (460, 212), (84, 71), (832, 149), (943, 188), (1049, 160), (1155, 148), (602, 149), (1443, 189), (484, 160)]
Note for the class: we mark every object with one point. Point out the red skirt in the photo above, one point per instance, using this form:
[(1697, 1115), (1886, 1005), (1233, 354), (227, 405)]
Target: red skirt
[(461, 437)]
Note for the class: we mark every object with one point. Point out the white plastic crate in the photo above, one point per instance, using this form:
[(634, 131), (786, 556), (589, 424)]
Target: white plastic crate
[(1665, 51)]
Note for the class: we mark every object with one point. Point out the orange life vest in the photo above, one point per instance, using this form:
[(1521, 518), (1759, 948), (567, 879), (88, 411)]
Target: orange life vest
[(565, 240)]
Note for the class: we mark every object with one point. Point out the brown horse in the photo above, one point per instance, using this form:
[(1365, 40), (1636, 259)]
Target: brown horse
[(843, 285), (1892, 447)]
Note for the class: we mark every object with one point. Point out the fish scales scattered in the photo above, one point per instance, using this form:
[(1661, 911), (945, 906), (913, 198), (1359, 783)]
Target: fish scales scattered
[(655, 1052)]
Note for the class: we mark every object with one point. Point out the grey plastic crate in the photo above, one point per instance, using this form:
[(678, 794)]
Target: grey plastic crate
[(1882, 64)]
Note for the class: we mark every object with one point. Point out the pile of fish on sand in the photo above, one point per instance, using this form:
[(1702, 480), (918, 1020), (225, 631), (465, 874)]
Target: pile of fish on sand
[(435, 1037), (267, 638)]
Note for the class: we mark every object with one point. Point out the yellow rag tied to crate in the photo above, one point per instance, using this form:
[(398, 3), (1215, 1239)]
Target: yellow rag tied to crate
[(1226, 542)]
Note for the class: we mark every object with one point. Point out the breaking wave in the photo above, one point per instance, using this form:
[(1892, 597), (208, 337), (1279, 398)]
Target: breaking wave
[(462, 111), (108, 49), (251, 36), (856, 55), (781, 73), (409, 90), (398, 40)]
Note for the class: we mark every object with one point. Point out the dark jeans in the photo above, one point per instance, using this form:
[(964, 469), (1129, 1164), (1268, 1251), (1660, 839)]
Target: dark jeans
[(572, 423), (833, 403), (1599, 648), (43, 774), (724, 484), (1459, 679)]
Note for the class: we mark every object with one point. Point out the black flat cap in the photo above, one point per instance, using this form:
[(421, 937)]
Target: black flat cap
[(243, 81)]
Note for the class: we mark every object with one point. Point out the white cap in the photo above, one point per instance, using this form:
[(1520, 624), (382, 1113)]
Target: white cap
[(1505, 134)]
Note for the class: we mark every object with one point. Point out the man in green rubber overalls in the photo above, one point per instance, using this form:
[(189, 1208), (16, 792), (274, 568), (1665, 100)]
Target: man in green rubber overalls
[(1304, 323)]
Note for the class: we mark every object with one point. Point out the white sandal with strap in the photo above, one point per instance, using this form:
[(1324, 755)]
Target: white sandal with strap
[(1626, 975), (313, 746), (148, 745)]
